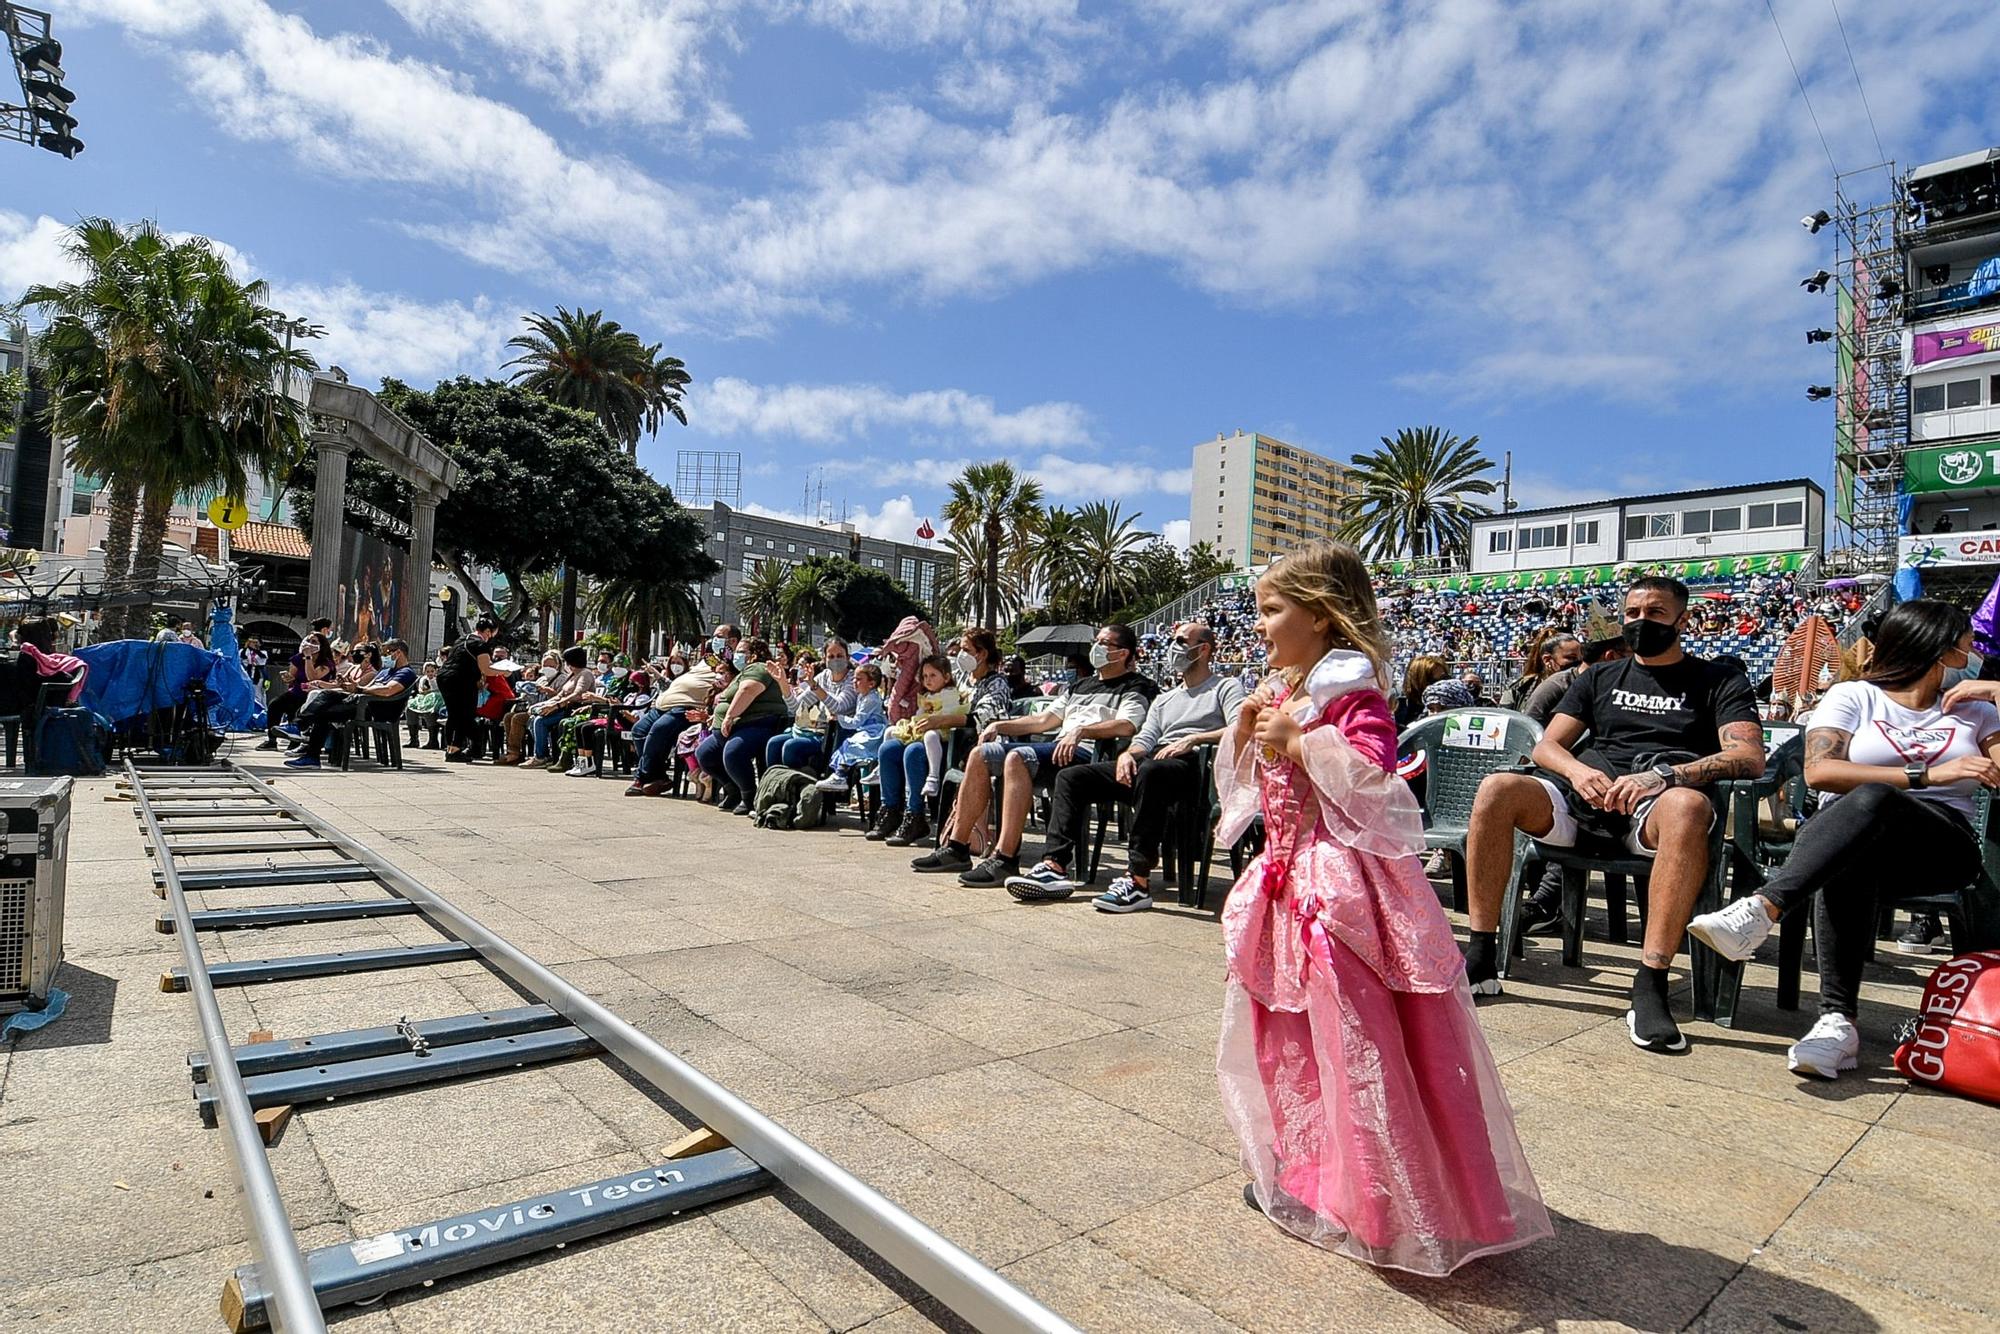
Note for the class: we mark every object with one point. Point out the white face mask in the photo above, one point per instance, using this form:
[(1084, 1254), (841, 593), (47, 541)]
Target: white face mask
[(677, 669), (965, 662), (1100, 656), (836, 667), (1179, 658)]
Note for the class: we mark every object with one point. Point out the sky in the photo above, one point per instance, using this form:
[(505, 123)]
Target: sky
[(889, 237)]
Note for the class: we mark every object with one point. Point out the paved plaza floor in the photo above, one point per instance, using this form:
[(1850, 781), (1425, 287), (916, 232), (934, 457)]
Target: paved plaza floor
[(1035, 1082)]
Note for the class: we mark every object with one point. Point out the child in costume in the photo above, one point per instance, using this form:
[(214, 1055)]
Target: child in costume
[(1352, 1067)]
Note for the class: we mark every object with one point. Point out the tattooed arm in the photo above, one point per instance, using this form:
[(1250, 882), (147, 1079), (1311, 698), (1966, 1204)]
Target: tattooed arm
[(1829, 770), (1741, 756)]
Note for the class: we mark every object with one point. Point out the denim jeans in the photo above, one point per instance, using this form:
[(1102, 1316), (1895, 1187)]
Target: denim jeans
[(905, 766), (546, 727), (733, 760), (653, 738), (796, 752)]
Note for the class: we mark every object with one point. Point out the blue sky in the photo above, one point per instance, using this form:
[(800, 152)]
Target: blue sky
[(889, 236)]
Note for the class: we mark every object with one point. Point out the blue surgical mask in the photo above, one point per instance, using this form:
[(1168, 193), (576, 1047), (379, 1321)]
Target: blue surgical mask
[(738, 658), (718, 645)]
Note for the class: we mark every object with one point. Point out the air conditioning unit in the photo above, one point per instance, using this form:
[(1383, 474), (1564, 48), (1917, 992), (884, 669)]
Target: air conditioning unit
[(35, 812)]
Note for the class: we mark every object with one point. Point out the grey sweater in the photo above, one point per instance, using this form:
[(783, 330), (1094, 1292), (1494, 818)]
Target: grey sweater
[(1181, 713)]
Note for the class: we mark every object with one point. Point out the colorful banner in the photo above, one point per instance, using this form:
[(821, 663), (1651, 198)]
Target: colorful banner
[(368, 603), (1611, 576), (1947, 549), (1978, 340), (1972, 465)]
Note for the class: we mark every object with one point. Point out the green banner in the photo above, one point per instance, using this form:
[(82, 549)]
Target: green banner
[(1967, 466), (1843, 420), (1611, 576)]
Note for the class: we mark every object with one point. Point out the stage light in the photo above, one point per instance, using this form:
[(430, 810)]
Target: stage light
[(1937, 275), (1819, 392), (65, 145), (1888, 289), (1819, 335), (1818, 282), (1812, 222)]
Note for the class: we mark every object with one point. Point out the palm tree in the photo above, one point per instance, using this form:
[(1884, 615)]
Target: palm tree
[(642, 606), (163, 373), (762, 599), (589, 362), (1055, 556), (1002, 509), (540, 592), (1412, 495), (963, 593), (810, 590), (1108, 546)]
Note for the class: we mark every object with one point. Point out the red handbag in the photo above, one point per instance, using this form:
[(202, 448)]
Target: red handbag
[(1954, 1042)]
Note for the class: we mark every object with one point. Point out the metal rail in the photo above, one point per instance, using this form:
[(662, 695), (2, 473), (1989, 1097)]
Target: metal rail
[(294, 1309), (940, 1268)]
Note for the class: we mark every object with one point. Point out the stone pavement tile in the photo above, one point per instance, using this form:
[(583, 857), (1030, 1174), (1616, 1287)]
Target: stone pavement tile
[(998, 1018), (646, 1121), (641, 887), (600, 979), (1072, 1156), (1780, 1290), (1094, 1288), (1147, 1075), (1748, 1061), (114, 935), (366, 1001), (631, 930), (1900, 1240), (750, 918), (1201, 1031), (847, 1043), (1813, 1140), (1943, 1116), (64, 1191), (46, 1083), (765, 1081), (183, 1292), (857, 960), (408, 1145), (1743, 1197), (719, 976), (1206, 1244)]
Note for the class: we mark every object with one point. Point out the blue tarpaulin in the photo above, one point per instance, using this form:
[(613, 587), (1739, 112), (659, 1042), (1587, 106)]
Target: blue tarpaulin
[(129, 678)]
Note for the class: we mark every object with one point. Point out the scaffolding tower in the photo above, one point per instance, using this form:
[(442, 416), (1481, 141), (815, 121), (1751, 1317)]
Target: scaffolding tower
[(1871, 423)]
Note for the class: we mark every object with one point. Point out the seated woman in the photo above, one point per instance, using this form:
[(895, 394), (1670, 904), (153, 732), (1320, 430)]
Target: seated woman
[(531, 730), (823, 694), (748, 712), (313, 663), (1899, 763), (615, 719), (910, 774)]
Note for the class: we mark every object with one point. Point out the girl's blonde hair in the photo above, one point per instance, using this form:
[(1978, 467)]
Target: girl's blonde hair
[(872, 672), (1329, 580)]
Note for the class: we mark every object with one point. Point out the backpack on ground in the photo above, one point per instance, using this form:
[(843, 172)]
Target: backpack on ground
[(1954, 1041), (69, 741), (786, 798)]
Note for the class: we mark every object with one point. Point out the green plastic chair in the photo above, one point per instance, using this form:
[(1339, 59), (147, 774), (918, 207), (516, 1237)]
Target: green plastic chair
[(1460, 749)]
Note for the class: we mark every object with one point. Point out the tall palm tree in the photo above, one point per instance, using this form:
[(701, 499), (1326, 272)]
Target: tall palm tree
[(1108, 546), (163, 373), (762, 598), (963, 593), (1055, 554), (540, 592), (586, 361), (1413, 495), (810, 591), (642, 606), (1003, 509)]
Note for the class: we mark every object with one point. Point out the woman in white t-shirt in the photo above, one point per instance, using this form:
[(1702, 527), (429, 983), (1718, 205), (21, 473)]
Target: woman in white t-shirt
[(1898, 764)]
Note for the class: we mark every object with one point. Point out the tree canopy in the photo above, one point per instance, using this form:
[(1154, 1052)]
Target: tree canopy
[(868, 604), (539, 485)]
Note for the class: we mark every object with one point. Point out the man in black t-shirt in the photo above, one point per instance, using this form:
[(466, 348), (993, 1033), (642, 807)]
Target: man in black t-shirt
[(384, 697), (1663, 726)]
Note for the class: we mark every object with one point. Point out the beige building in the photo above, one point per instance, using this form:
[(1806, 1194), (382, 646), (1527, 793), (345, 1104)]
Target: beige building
[(1256, 497)]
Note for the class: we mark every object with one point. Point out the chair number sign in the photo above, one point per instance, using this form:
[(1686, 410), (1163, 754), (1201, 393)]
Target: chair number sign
[(1475, 731)]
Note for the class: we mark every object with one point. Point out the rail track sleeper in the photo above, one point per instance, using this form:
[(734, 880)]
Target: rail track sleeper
[(250, 972), (290, 914), (267, 1057)]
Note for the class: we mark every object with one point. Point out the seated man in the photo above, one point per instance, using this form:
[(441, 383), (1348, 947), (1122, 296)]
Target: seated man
[(384, 697), (1155, 775), (1111, 703), (1656, 721), (659, 728)]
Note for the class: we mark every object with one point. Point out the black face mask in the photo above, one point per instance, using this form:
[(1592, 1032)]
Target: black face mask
[(1649, 639)]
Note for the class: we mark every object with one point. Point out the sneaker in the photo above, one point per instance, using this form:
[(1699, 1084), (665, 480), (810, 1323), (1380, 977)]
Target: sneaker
[(991, 873), (1041, 883), (268, 743), (729, 805), (582, 769), (302, 762), (943, 857), (289, 729), (1482, 968), (833, 782), (1538, 917), (1650, 1021), (1125, 895), (1734, 930), (1924, 935), (886, 823), (915, 828), (1831, 1046), (1438, 865)]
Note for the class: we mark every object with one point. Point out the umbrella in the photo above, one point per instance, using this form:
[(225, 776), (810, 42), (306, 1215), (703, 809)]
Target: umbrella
[(1057, 638), (1715, 597), (1842, 583)]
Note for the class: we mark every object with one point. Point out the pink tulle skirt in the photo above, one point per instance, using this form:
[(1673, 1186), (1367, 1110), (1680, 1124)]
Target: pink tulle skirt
[(1373, 1121)]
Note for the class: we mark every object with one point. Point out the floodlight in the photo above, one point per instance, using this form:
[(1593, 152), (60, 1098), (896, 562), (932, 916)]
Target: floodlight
[(1819, 335), (1812, 222), (1819, 392), (1818, 282)]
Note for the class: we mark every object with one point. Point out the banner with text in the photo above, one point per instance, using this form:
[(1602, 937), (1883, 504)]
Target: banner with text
[(1973, 341), (1940, 550), (1611, 576), (1959, 467)]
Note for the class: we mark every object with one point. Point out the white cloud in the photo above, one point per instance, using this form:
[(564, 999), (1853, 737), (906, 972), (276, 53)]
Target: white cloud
[(829, 413), (373, 334), (1084, 479), (1178, 533), (31, 252), (895, 519)]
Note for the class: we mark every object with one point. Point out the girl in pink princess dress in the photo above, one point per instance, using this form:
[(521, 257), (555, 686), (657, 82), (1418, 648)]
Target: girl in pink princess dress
[(1352, 1067)]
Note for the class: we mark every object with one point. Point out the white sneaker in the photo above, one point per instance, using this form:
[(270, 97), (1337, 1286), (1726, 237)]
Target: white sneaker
[(581, 769), (832, 783), (1831, 1047), (1734, 930)]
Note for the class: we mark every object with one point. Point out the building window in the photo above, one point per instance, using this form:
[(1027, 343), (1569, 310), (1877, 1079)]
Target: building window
[(906, 570), (1726, 521), (791, 547), (1791, 513), (1586, 534), (1500, 539), (1763, 516), (1546, 536), (876, 562), (812, 551), (749, 565), (1693, 522), (715, 592), (1962, 394), (1928, 398), (770, 544), (749, 541), (1635, 527)]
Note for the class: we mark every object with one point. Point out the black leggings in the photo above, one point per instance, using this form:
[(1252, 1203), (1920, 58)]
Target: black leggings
[(461, 699), (283, 705), (1876, 835)]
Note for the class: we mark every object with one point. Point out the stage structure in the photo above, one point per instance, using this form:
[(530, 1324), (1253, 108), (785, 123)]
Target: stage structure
[(346, 419)]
